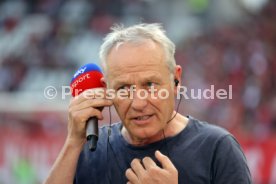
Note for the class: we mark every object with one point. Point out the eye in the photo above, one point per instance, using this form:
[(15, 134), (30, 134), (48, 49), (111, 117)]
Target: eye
[(149, 84), (123, 87), (123, 92), (126, 87)]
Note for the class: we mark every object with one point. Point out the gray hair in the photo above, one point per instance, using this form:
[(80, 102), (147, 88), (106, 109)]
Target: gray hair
[(138, 33)]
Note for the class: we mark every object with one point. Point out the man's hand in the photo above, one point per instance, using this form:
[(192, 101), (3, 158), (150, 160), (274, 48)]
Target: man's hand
[(149, 172), (81, 108)]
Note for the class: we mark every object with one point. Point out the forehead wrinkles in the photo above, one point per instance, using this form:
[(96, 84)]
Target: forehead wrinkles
[(133, 73), (146, 51), (128, 58), (119, 69), (136, 78), (141, 76)]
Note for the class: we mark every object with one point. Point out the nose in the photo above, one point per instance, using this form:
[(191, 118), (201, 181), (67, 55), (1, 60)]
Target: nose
[(140, 100)]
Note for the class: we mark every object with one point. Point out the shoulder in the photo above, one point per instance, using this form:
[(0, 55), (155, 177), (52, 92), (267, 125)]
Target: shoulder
[(207, 130), (218, 139), (212, 136)]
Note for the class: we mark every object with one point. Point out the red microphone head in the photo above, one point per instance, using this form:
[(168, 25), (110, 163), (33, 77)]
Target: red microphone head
[(87, 77)]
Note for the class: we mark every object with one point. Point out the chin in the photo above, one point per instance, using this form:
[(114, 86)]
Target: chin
[(145, 133)]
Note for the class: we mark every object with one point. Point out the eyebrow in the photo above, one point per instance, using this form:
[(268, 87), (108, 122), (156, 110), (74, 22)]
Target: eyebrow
[(150, 77)]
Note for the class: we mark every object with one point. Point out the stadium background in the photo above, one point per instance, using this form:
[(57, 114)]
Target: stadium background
[(219, 42)]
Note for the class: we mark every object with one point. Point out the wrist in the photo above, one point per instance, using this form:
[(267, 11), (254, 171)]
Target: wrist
[(75, 143)]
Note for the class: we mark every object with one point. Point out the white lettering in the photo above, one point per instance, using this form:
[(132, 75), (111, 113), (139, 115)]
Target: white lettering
[(80, 71)]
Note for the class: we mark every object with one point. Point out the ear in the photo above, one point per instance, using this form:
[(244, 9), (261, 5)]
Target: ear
[(103, 82), (177, 75)]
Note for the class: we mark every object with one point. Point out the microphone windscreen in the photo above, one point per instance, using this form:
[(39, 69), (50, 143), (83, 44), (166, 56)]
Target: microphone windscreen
[(87, 76)]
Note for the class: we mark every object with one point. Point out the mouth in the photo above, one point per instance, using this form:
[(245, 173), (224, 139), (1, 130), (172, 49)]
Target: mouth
[(142, 120)]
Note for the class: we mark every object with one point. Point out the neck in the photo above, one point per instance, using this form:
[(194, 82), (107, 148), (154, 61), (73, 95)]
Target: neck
[(172, 128)]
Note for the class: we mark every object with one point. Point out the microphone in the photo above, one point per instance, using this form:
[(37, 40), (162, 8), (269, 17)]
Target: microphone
[(88, 76)]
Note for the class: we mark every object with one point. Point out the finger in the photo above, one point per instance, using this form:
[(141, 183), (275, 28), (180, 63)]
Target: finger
[(89, 94), (92, 112), (83, 115), (148, 163), (104, 83), (131, 176), (137, 167), (94, 103), (165, 161)]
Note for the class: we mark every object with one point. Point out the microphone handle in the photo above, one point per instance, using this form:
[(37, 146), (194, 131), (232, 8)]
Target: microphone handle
[(92, 132)]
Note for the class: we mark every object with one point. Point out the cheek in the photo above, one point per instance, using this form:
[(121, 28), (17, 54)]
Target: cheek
[(163, 100), (164, 107), (121, 107)]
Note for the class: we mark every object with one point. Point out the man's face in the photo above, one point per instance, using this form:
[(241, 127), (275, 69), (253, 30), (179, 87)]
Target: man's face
[(142, 65)]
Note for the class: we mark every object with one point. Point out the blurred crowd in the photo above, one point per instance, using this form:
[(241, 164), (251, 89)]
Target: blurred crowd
[(241, 55), (49, 34)]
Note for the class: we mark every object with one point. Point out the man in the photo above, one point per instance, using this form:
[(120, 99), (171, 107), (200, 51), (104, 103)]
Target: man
[(153, 143)]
